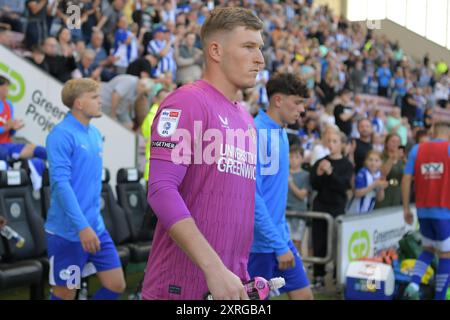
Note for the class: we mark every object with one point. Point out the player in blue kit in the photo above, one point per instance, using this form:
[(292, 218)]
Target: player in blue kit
[(76, 234), (273, 254)]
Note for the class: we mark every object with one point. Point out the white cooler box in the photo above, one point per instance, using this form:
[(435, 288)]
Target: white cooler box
[(366, 280)]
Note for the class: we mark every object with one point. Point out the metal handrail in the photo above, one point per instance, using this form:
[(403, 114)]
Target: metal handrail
[(330, 234)]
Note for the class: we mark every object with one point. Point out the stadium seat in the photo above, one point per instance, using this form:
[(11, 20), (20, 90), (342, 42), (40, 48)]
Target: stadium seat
[(25, 265), (115, 220), (141, 220), (36, 194), (20, 274)]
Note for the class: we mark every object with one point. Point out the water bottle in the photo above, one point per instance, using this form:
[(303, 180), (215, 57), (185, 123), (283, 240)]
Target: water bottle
[(10, 234), (259, 288)]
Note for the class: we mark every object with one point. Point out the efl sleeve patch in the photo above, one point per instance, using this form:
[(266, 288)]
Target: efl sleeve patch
[(168, 122)]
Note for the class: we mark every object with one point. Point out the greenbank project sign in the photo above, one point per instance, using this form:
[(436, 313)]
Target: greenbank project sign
[(36, 100), (17, 86)]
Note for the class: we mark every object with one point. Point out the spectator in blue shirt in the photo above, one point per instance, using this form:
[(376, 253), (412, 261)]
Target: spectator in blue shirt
[(399, 87), (384, 78)]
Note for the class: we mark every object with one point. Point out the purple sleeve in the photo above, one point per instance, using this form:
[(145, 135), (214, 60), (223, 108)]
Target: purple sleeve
[(163, 196)]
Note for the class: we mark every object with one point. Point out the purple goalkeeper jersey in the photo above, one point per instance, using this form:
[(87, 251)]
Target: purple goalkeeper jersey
[(197, 126)]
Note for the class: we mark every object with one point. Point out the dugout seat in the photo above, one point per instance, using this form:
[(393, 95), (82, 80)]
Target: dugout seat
[(36, 194), (25, 265), (132, 198), (27, 273), (115, 220)]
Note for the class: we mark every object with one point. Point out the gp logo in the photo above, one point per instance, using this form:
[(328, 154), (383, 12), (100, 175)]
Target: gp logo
[(17, 86), (359, 245)]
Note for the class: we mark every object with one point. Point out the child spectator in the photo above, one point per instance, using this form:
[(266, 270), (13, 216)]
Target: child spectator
[(299, 189), (331, 177), (369, 186)]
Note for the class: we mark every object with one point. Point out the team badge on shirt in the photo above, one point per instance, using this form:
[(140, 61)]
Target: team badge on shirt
[(168, 122)]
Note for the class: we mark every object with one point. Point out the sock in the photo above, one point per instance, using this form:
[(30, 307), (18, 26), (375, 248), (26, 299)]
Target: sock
[(442, 278), (40, 152), (105, 294), (421, 266), (53, 297)]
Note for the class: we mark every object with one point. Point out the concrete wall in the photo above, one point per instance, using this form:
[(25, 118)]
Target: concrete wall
[(336, 6), (412, 43)]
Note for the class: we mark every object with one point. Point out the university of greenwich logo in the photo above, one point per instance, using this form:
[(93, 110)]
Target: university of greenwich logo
[(359, 245), (17, 86)]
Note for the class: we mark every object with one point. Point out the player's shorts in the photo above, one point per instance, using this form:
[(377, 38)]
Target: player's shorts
[(69, 262), (266, 265), (13, 149), (435, 233)]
